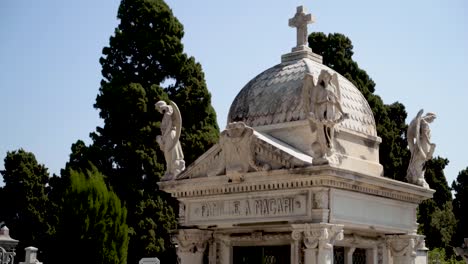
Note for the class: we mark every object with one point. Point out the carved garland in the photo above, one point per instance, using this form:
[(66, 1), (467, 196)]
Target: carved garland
[(405, 245)]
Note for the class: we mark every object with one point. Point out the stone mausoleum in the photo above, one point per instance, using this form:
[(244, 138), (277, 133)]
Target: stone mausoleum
[(295, 177)]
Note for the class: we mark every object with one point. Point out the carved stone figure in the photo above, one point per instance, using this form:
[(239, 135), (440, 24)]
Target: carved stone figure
[(168, 141), (419, 136), (237, 146), (323, 106)]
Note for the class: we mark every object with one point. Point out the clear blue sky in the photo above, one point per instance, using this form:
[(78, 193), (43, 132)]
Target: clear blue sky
[(416, 52)]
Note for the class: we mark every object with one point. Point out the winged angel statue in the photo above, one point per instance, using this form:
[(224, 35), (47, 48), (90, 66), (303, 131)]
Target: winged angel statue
[(168, 141), (323, 107), (419, 136)]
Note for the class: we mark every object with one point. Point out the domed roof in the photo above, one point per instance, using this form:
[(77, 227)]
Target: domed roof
[(275, 96)]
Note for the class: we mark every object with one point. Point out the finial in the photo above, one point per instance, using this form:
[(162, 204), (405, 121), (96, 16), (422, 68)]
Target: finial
[(300, 22)]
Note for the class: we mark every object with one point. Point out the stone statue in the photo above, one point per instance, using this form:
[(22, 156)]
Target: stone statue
[(323, 104), (419, 136), (168, 141)]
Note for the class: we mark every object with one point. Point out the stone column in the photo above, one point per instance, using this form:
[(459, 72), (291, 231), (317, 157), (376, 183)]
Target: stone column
[(191, 244), (407, 249), (224, 248), (318, 240), (371, 255), (349, 255)]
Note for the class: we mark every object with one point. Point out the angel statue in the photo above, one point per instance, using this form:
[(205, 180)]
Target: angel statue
[(323, 105), (168, 141), (419, 136)]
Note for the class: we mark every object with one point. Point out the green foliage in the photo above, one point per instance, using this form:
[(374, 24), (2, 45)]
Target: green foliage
[(460, 206), (436, 179), (337, 51), (145, 63), (444, 223), (155, 219), (92, 219), (438, 256), (25, 212), (435, 216)]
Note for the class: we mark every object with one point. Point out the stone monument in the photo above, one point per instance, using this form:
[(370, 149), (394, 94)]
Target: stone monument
[(296, 177)]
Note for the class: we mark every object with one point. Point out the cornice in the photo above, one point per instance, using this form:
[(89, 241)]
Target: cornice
[(300, 178)]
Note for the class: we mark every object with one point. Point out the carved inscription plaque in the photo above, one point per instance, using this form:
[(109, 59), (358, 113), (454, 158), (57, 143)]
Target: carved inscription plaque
[(249, 208)]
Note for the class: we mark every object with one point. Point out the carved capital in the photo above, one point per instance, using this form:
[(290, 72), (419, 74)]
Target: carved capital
[(317, 235), (192, 240)]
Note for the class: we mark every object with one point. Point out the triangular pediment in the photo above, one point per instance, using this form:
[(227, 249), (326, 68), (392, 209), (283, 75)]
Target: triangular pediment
[(241, 150)]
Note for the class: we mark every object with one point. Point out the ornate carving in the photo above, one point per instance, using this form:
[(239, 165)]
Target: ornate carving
[(323, 108), (192, 240), (405, 246), (317, 235), (361, 241), (168, 141), (419, 136), (321, 200), (238, 152)]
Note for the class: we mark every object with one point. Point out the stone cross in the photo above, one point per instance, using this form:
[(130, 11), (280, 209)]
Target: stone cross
[(300, 22)]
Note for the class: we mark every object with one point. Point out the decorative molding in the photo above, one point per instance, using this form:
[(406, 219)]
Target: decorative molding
[(286, 183), (258, 237)]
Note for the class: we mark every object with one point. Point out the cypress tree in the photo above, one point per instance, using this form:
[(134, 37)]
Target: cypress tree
[(24, 199), (337, 51), (92, 219), (460, 206), (145, 63)]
